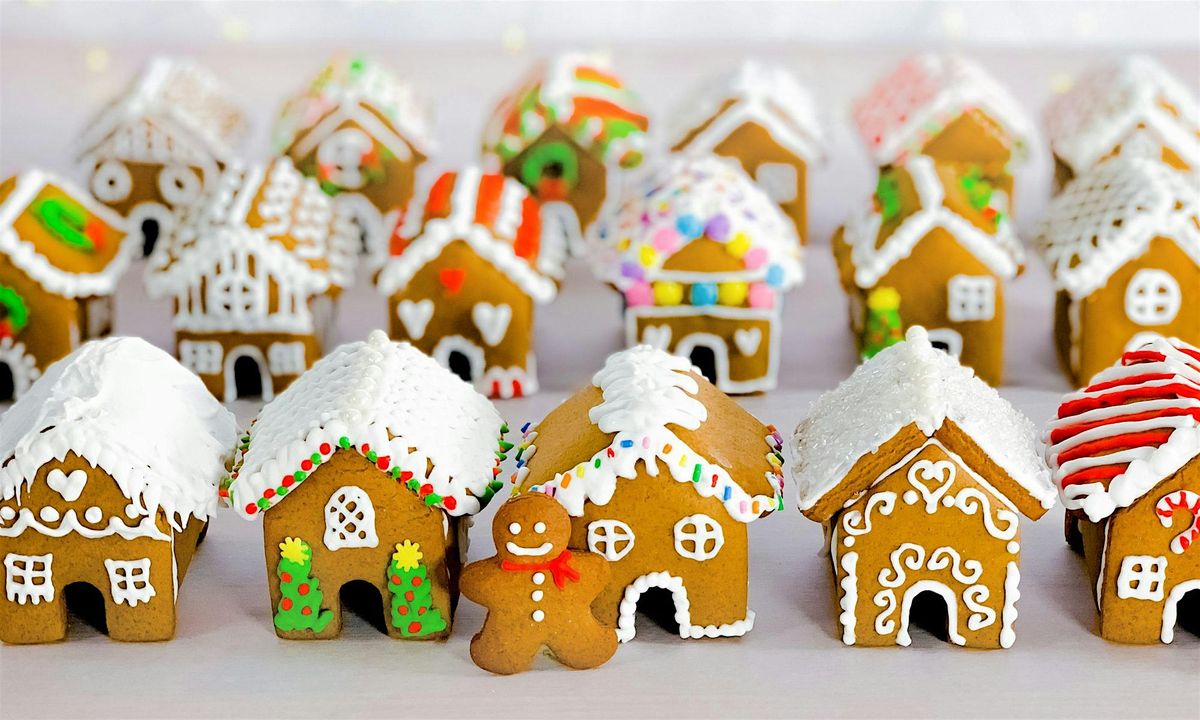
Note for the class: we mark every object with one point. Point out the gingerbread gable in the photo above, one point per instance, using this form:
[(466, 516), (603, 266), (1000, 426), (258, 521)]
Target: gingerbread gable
[(654, 410), (873, 257), (1108, 216), (923, 95), (388, 401), (1134, 426), (1108, 105), (912, 385), (130, 409), (493, 214), (61, 237)]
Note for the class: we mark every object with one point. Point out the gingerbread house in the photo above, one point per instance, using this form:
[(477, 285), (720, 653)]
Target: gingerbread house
[(466, 269), (1130, 108), (934, 249), (949, 108), (254, 270), (362, 133), (365, 472), (111, 467), (568, 132), (661, 474), (761, 116), (1125, 452), (1123, 245), (919, 472), (61, 255), (702, 257), (161, 144)]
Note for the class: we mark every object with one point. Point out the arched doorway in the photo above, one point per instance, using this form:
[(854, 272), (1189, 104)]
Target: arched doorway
[(708, 353), (8, 385), (460, 365), (361, 599), (1181, 610), (706, 361), (150, 231), (667, 607), (86, 604), (246, 375), (932, 594)]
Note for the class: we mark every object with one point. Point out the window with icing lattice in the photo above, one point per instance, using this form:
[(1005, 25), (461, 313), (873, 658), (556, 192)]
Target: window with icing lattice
[(28, 578), (286, 358), (129, 581), (971, 297), (780, 180), (350, 519), (234, 291), (1142, 577), (1152, 297), (611, 538), (698, 537), (201, 357)]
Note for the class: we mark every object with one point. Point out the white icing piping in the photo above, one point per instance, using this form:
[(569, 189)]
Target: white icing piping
[(633, 592)]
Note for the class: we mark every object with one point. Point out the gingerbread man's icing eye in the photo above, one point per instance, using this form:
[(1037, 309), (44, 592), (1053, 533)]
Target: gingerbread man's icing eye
[(539, 528), (515, 528)]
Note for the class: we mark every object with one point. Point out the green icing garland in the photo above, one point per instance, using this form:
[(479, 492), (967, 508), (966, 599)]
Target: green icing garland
[(18, 312), (69, 223)]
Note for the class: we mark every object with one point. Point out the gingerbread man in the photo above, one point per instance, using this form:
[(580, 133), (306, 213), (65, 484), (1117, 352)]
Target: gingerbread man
[(537, 592)]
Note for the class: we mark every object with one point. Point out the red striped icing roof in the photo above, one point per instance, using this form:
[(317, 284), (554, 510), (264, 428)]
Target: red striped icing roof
[(1135, 425)]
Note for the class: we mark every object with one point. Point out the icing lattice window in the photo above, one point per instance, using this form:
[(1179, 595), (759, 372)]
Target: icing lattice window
[(350, 519), (129, 581), (200, 357), (341, 156), (286, 358), (1142, 577), (698, 537), (28, 578), (971, 297), (780, 180), (1152, 297), (611, 538)]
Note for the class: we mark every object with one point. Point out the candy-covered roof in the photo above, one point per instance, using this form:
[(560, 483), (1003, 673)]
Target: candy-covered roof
[(67, 254), (686, 198), (756, 92), (1135, 425), (365, 91), (411, 417), (1114, 104), (874, 256), (492, 213), (911, 383), (923, 95), (1108, 216), (130, 409), (580, 94)]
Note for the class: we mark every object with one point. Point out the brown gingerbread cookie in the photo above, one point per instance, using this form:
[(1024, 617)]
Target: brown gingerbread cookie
[(538, 593)]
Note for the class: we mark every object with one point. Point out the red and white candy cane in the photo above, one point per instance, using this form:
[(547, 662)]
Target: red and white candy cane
[(1166, 509)]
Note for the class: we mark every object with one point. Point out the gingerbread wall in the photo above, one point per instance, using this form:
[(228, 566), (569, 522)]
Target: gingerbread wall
[(589, 193), (233, 342), (52, 330), (976, 139), (752, 145)]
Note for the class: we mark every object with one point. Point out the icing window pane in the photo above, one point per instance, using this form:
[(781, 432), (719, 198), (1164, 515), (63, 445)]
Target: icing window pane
[(200, 357), (1152, 298), (698, 537), (28, 578), (971, 298), (286, 358), (350, 519), (1142, 577), (611, 538), (779, 180), (129, 581)]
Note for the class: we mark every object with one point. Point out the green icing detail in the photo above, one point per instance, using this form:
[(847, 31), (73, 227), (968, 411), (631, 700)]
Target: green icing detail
[(416, 617), (551, 153), (66, 221), (295, 561), (887, 196), (18, 311)]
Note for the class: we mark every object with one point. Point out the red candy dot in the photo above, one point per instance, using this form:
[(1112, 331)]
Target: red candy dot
[(306, 465), (416, 582), (285, 577), (409, 596), (306, 610), (288, 480), (420, 611), (269, 493), (303, 589), (251, 508), (426, 489), (402, 610), (414, 627), (325, 449), (449, 503), (395, 579), (286, 604)]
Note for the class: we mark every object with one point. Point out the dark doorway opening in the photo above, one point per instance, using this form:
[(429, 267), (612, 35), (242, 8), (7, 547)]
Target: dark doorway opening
[(247, 377), (940, 345), (658, 606), (361, 599), (8, 386), (149, 235), (705, 359), (460, 365), (1187, 612), (86, 604), (928, 612)]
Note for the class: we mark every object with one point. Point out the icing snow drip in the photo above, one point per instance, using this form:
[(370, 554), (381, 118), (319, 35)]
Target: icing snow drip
[(645, 389)]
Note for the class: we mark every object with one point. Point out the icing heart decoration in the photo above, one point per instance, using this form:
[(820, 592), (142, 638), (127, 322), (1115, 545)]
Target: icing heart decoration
[(932, 480), (747, 340), (415, 316), (492, 321), (657, 336), (69, 486), (452, 279)]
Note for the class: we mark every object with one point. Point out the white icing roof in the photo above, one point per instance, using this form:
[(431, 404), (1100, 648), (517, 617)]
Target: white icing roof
[(1001, 253), (390, 396), (763, 93), (644, 389), (129, 408), (1107, 217), (911, 382), (1106, 106)]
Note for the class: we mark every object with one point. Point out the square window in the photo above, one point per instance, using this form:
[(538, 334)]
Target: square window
[(28, 578), (1142, 577), (780, 181), (971, 297), (129, 581)]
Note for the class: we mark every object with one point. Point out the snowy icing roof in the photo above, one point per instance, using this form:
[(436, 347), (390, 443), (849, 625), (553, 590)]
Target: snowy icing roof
[(1107, 217), (388, 401), (647, 392), (757, 92), (925, 93), (178, 96), (1135, 425), (80, 271), (1000, 251), (911, 383), (130, 409), (495, 215), (363, 90), (685, 198), (1109, 104), (581, 95)]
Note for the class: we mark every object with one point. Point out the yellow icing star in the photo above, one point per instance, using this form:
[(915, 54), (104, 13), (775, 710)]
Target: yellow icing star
[(732, 293), (408, 555), (738, 246), (668, 293), (294, 550)]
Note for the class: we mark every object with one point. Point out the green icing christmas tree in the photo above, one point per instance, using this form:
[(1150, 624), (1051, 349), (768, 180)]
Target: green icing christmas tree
[(413, 613), (300, 607), (883, 326)]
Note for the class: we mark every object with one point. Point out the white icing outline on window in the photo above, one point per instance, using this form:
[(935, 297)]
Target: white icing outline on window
[(781, 181), (286, 358), (179, 185), (1142, 577), (971, 298), (129, 581), (338, 517), (19, 573), (605, 544), (202, 357), (1152, 297), (704, 529)]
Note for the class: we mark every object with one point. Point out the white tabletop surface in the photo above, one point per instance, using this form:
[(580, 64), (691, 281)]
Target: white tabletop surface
[(226, 661)]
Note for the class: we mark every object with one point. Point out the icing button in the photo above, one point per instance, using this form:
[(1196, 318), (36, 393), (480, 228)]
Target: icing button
[(537, 595), (539, 578), (538, 616)]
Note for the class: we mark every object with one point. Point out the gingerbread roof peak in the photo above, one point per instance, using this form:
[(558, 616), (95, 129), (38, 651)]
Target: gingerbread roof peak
[(645, 389), (754, 91), (94, 272), (911, 383), (359, 88), (1000, 251), (380, 397), (1135, 425), (685, 198), (917, 100), (1107, 217), (1109, 104), (130, 409), (493, 214)]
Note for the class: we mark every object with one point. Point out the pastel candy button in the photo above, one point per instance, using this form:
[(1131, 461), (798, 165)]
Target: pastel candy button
[(754, 258), (639, 294), (775, 276), (761, 296), (717, 228), (704, 294), (690, 226), (666, 239), (668, 293)]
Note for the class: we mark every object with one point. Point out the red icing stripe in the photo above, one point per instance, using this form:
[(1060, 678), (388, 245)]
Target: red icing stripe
[(1134, 357), (487, 200), (1126, 441), (1067, 432), (1131, 380), (438, 204), (585, 106), (1092, 474), (1193, 354), (1170, 391), (529, 234)]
